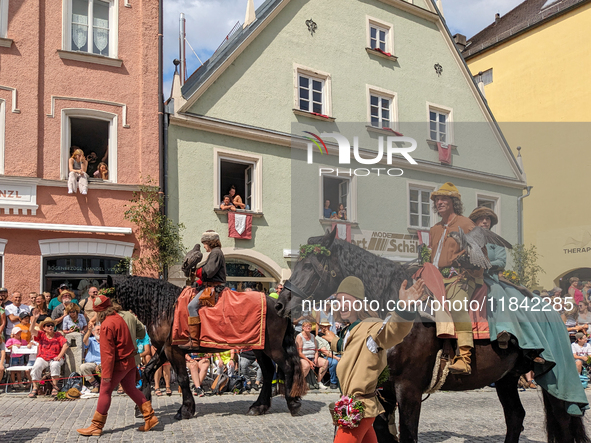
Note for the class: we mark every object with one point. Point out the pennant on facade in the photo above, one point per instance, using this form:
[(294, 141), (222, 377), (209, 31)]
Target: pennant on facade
[(239, 226), (343, 231), (423, 237), (444, 153)]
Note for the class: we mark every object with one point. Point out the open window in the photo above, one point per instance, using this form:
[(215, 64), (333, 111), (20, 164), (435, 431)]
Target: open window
[(336, 191), (95, 132), (244, 172)]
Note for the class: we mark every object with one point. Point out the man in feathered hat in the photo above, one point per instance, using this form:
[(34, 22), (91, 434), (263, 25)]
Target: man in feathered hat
[(446, 253)]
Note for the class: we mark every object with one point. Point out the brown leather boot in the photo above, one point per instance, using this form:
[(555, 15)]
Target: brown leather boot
[(194, 332), (151, 419), (96, 427), (461, 364)]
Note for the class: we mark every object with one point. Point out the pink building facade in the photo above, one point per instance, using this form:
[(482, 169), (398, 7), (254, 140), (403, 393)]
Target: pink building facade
[(80, 73)]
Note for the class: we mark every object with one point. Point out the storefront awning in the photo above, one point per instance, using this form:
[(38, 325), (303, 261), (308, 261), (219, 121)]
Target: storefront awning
[(69, 228)]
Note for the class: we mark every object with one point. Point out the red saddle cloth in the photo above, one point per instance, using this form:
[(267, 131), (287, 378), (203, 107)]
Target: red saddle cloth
[(236, 321), (434, 281)]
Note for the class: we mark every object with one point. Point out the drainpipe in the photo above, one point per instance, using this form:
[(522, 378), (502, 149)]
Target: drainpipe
[(520, 215), (161, 119)]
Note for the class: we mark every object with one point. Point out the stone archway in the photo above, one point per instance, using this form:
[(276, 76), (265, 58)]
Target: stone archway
[(562, 281)]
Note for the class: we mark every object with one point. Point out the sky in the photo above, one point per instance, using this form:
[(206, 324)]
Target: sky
[(209, 21)]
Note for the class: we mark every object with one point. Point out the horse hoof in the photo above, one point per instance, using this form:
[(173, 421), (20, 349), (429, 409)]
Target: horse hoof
[(178, 416), (295, 412), (257, 410)]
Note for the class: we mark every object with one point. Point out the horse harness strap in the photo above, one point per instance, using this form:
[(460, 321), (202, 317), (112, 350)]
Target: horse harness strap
[(320, 270)]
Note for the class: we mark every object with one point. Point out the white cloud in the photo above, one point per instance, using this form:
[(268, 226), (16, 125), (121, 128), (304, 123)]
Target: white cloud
[(469, 17), (207, 24)]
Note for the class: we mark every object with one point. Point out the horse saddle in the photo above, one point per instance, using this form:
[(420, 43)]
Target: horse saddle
[(208, 297)]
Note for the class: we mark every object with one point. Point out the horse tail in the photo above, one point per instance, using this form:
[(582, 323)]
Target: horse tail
[(299, 386), (560, 426)]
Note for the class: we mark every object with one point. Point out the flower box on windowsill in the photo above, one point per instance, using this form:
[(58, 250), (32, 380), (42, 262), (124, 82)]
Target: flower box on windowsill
[(89, 58), (241, 211), (330, 221), (378, 52), (5, 42), (385, 131), (314, 115)]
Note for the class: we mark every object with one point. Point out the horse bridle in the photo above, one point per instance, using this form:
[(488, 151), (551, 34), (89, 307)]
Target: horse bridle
[(320, 269)]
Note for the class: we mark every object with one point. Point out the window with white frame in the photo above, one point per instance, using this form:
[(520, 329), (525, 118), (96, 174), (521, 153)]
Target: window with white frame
[(440, 125), (91, 26), (382, 108), (490, 202), (95, 133), (3, 18), (242, 173), (380, 35), (312, 91), (336, 197), (419, 207)]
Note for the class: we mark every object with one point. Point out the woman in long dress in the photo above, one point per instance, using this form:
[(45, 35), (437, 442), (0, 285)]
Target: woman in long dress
[(531, 324)]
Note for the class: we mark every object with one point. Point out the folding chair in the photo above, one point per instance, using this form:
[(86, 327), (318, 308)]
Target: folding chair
[(24, 351)]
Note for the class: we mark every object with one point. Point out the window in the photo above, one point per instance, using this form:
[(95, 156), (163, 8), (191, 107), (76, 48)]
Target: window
[(420, 211), (379, 35), (244, 172), (312, 91), (310, 94), (91, 26), (440, 123), (382, 108), (336, 191), (3, 18), (95, 132), (485, 77)]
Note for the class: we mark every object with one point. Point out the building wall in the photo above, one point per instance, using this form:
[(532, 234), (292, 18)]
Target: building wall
[(33, 138), (538, 94)]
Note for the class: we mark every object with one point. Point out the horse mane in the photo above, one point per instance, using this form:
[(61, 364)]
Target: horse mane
[(149, 298), (381, 277)]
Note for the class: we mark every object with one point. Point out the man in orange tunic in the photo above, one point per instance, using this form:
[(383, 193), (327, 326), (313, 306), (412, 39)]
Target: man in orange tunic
[(117, 366), (446, 253)]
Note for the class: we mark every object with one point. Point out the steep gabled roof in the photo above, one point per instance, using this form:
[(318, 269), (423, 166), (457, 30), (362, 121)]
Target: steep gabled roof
[(227, 48), (527, 15)]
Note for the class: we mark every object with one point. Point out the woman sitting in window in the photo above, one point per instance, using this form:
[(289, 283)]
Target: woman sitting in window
[(78, 179), (236, 199), (102, 171), (342, 212)]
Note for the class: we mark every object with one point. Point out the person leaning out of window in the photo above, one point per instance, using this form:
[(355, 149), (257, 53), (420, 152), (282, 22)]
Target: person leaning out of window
[(227, 204), (102, 172), (78, 178)]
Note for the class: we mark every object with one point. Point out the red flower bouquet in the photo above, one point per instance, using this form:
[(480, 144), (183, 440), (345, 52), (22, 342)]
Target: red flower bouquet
[(347, 412)]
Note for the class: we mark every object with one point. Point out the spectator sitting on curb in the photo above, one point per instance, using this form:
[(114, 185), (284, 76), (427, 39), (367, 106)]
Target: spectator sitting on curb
[(333, 359), (581, 350), (246, 359), (198, 365), (225, 360), (92, 360)]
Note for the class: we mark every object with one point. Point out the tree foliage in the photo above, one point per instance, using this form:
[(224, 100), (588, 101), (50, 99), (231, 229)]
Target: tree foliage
[(160, 237), (525, 260)]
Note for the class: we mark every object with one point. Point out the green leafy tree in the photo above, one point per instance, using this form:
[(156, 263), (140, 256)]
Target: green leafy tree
[(160, 237), (525, 261)]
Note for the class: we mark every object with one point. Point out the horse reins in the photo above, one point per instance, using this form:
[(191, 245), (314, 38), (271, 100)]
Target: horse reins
[(320, 270)]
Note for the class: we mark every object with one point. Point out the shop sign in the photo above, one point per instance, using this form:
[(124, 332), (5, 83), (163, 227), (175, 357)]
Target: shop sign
[(578, 245), (19, 197), (387, 244)]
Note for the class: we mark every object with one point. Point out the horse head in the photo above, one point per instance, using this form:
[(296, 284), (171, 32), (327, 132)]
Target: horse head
[(316, 275)]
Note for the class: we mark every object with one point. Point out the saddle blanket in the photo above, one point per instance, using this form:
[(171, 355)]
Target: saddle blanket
[(445, 325), (237, 320)]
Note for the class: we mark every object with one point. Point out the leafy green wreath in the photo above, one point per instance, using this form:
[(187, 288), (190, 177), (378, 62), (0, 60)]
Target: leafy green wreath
[(108, 292), (306, 250)]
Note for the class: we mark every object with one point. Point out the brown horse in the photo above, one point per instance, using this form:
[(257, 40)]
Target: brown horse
[(153, 302), (411, 363)]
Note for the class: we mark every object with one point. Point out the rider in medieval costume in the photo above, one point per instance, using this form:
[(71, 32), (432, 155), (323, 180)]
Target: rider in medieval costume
[(446, 253), (213, 276), (539, 332)]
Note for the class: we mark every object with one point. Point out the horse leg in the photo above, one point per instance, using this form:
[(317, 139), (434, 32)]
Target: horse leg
[(177, 359), (560, 426), (409, 408), (263, 402), (285, 373), (514, 413), (148, 375), (385, 423)]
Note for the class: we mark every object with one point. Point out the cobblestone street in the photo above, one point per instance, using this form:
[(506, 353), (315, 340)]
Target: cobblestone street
[(477, 417)]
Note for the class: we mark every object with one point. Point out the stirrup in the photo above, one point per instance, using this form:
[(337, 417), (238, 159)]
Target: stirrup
[(191, 345), (503, 340)]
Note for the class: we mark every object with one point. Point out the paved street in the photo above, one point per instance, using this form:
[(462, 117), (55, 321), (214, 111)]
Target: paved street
[(477, 418)]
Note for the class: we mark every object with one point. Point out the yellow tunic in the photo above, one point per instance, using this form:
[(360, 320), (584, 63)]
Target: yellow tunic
[(364, 357)]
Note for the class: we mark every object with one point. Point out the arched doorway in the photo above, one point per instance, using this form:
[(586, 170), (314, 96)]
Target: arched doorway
[(562, 281), (243, 275)]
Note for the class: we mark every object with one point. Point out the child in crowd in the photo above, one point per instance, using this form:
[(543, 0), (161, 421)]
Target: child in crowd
[(16, 359), (25, 326)]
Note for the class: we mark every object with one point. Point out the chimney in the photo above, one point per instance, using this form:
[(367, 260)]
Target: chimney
[(250, 14), (460, 41), (497, 17)]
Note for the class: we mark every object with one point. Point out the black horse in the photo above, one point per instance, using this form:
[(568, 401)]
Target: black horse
[(153, 302), (318, 275)]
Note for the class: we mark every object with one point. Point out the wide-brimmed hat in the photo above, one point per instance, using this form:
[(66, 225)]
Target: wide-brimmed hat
[(73, 394), (210, 236), (325, 324), (447, 190), (483, 211), (101, 303), (352, 286), (41, 325), (59, 297)]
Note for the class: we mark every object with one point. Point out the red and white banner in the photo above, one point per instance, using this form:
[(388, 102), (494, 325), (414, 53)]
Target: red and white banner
[(343, 231), (444, 153), (239, 225)]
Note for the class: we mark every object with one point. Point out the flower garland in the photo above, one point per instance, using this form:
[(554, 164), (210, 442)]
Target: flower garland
[(108, 292), (511, 276), (306, 250), (348, 412), (425, 254), (449, 272)]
